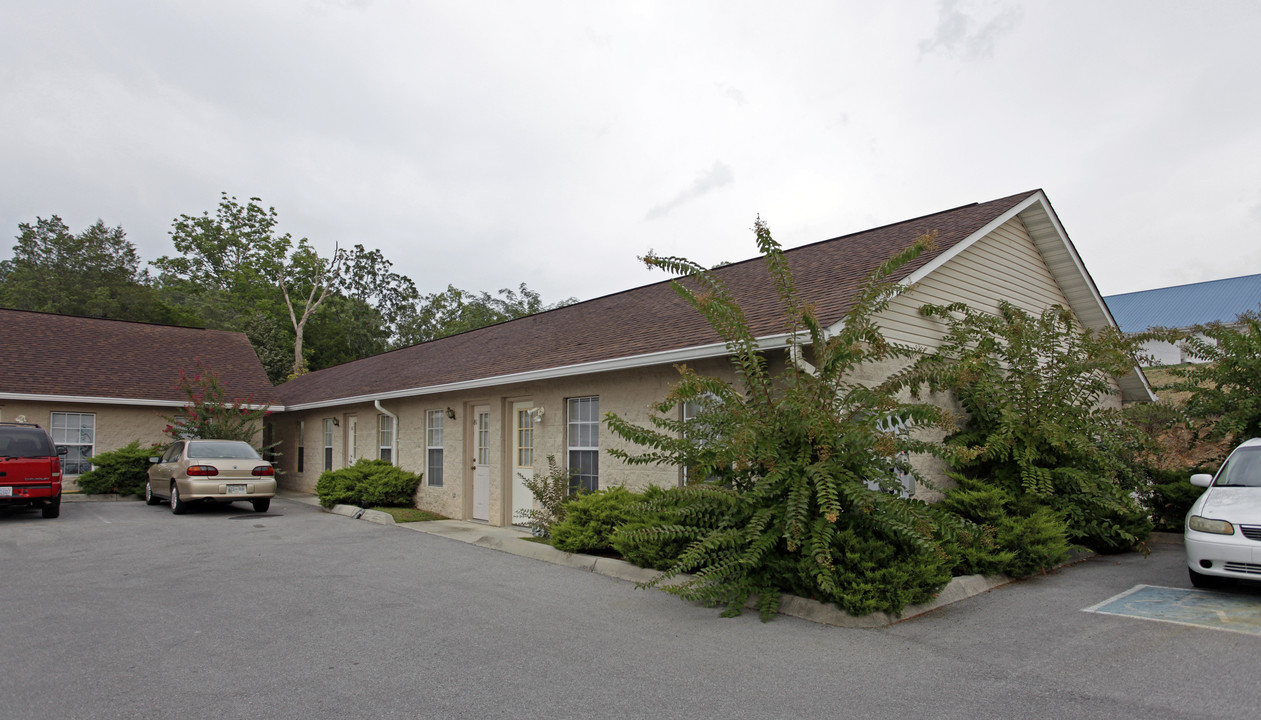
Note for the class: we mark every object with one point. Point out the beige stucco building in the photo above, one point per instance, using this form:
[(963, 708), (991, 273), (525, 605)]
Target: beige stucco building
[(477, 411), (98, 385)]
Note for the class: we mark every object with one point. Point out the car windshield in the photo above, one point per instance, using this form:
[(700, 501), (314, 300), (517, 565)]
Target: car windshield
[(24, 443), (1243, 469), (230, 449)]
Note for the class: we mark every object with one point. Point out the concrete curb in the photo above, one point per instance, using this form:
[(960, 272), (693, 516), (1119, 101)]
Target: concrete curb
[(357, 513), (84, 497), (517, 542)]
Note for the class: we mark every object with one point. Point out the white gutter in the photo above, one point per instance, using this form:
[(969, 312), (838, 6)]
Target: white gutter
[(81, 399), (392, 416), (770, 342)]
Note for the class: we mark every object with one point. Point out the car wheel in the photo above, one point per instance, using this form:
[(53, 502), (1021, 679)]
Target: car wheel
[(1204, 581), (149, 497), (261, 504), (178, 506), (52, 508)]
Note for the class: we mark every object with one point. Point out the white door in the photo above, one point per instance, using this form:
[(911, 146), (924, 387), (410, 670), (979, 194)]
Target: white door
[(481, 462), (352, 448), (522, 458)]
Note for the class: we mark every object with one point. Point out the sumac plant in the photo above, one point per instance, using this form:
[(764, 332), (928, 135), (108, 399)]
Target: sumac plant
[(209, 414), (791, 473), (1034, 388)]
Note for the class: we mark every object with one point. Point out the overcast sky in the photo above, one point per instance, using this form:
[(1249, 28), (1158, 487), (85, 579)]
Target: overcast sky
[(485, 144)]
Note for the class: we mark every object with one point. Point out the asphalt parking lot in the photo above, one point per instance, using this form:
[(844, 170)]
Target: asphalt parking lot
[(121, 610)]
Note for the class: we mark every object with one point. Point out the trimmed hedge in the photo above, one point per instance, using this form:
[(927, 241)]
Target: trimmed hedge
[(591, 519), (123, 471), (368, 483)]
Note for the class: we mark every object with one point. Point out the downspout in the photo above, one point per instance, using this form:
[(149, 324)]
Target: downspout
[(394, 460), (794, 354)]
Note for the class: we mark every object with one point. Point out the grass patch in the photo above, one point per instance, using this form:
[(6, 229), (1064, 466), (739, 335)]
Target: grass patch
[(406, 515)]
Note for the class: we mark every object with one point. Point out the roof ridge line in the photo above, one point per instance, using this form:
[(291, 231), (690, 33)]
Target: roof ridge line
[(674, 278), (116, 320)]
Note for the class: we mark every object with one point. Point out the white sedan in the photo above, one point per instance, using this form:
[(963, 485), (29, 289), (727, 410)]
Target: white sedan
[(1223, 527)]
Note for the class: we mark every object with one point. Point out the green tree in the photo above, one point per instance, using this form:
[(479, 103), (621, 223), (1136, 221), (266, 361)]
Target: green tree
[(1225, 387), (364, 314), (236, 268), (1034, 388), (790, 482), (95, 273), (239, 252), (455, 311), (368, 280)]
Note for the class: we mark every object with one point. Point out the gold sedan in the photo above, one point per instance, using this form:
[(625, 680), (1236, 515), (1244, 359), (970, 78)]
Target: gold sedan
[(210, 471)]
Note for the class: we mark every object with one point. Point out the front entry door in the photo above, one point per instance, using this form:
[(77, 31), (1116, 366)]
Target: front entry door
[(522, 459), (352, 434), (481, 462)]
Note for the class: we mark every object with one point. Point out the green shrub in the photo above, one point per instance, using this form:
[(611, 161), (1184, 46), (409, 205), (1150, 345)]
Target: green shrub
[(592, 518), (390, 486), (659, 508), (552, 491), (1034, 388), (367, 483), (1027, 537), (123, 471), (1170, 496), (783, 462)]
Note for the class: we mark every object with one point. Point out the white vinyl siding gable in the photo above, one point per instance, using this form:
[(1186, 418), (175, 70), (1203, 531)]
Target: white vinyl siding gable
[(1003, 265)]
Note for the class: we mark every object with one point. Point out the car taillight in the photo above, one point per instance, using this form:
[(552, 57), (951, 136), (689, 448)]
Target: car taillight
[(55, 463), (202, 470), (264, 470)]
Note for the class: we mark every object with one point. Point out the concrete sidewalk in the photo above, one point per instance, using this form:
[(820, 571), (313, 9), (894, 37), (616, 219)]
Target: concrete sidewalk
[(517, 541)]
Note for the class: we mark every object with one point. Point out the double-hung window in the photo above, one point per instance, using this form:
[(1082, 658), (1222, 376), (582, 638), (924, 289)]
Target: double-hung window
[(385, 435), (301, 443), (328, 443), (583, 426), (77, 432), (433, 448)]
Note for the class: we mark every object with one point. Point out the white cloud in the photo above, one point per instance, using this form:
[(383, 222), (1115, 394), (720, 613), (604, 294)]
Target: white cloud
[(492, 143), (970, 29)]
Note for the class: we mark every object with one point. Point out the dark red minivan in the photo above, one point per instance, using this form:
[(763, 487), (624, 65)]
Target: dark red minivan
[(30, 468)]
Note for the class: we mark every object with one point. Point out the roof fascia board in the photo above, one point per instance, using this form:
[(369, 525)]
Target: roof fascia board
[(1140, 387), (87, 399), (972, 239), (770, 342)]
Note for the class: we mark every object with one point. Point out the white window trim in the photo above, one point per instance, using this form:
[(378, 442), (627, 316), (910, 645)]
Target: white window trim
[(52, 424), (434, 420), (327, 459), (382, 421), (571, 425)]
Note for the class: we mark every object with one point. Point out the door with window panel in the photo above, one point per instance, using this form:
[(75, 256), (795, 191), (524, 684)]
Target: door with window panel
[(481, 462), (522, 459)]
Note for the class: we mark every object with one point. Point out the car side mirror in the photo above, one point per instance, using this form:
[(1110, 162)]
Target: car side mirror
[(155, 460), (62, 450), (1201, 480)]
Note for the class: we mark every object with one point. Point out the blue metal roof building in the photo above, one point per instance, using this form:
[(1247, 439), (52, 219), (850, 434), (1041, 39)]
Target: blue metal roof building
[(1182, 306)]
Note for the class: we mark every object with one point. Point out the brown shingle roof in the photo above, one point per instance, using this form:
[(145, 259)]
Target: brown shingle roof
[(648, 319), (46, 354)]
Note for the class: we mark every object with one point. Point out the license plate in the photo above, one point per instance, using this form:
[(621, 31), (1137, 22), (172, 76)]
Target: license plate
[(236, 489), (6, 492)]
